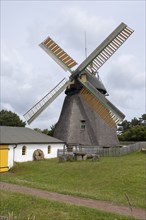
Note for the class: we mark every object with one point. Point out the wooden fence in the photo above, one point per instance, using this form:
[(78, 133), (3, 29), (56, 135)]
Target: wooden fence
[(108, 152), (120, 151)]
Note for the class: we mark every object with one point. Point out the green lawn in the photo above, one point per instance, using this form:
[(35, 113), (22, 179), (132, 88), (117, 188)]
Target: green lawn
[(25, 206), (109, 179)]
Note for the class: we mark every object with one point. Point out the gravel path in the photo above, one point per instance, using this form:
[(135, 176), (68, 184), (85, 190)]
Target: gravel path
[(100, 205)]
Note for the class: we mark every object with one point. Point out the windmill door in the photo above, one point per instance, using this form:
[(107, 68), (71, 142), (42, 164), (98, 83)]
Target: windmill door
[(3, 158)]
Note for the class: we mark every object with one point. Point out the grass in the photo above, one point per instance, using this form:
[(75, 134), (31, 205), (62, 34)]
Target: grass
[(111, 179), (26, 206)]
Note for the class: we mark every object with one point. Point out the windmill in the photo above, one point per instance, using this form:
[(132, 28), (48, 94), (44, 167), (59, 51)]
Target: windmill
[(87, 116)]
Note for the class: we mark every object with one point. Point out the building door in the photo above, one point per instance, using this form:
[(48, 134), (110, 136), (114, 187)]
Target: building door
[(3, 158)]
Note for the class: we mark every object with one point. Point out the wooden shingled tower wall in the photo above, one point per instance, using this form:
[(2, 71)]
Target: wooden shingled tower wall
[(79, 124)]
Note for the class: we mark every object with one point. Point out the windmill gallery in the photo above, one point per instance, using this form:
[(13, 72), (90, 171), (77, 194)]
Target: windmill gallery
[(87, 118)]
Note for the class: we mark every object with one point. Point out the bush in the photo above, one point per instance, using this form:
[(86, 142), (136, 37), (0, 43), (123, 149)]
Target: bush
[(136, 133)]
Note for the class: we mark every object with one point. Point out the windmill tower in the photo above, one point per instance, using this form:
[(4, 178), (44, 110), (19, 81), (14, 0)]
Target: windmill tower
[(87, 116)]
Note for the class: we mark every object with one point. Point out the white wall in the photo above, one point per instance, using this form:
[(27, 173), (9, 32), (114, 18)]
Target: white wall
[(11, 156), (30, 148)]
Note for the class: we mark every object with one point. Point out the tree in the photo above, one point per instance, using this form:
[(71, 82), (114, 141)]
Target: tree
[(124, 126), (136, 133), (143, 119), (134, 122), (8, 118), (38, 130), (46, 131), (52, 129)]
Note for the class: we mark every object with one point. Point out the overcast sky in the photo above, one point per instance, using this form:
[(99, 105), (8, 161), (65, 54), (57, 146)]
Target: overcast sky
[(28, 73)]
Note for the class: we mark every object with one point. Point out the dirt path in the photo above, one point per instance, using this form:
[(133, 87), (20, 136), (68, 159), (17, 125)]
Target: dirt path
[(100, 205)]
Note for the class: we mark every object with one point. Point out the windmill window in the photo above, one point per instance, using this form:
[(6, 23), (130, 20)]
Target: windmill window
[(49, 149), (83, 124), (24, 150)]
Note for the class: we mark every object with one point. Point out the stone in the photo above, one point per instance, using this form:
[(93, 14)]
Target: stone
[(38, 154)]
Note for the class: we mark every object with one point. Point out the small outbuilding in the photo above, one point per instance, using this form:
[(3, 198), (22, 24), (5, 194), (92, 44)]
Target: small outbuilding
[(22, 144)]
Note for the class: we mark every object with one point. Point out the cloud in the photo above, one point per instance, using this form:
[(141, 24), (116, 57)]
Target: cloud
[(22, 86), (69, 34), (125, 73), (15, 79), (28, 73), (77, 20), (125, 82), (35, 31)]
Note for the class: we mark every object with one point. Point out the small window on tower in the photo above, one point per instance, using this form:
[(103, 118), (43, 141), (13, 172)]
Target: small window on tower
[(24, 150), (83, 124)]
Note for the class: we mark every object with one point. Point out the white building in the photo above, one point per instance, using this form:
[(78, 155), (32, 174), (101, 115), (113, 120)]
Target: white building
[(18, 144)]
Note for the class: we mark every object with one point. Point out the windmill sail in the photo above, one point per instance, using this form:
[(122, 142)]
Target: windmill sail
[(36, 110), (58, 54), (106, 49), (91, 91), (109, 113)]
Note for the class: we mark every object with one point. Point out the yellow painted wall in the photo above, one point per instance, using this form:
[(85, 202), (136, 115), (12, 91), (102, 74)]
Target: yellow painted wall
[(3, 158)]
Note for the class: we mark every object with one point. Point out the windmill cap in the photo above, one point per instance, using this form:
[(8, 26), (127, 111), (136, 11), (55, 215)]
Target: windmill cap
[(96, 82)]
